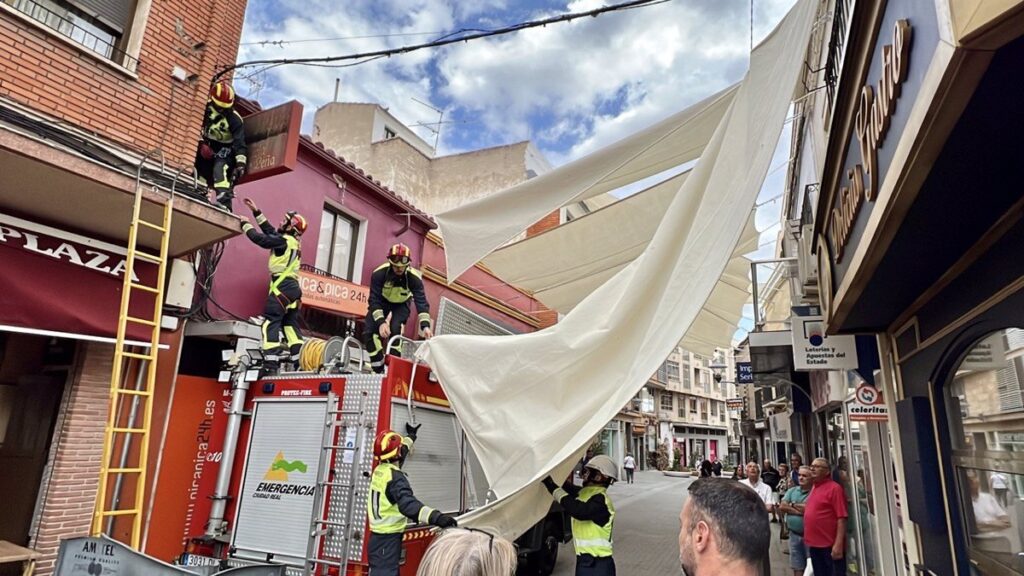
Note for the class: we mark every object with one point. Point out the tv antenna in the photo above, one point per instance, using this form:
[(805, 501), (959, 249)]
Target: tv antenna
[(440, 122)]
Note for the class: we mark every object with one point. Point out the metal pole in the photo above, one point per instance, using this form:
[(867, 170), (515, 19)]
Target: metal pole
[(239, 391), (753, 284)]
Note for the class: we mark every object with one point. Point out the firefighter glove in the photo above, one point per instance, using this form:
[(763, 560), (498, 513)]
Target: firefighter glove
[(411, 430), (445, 521), (238, 172), (550, 484)]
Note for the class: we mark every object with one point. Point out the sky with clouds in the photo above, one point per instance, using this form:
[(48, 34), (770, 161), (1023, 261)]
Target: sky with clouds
[(571, 88)]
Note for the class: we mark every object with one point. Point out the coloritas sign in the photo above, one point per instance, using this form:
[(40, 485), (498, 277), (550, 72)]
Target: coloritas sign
[(868, 405), (333, 294), (815, 350)]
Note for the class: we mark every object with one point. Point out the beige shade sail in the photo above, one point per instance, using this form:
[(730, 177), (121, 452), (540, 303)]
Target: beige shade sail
[(475, 229), (531, 403)]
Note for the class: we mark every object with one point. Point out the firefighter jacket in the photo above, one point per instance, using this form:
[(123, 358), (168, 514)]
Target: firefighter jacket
[(285, 250), (592, 515), (388, 290), (224, 128), (391, 501)]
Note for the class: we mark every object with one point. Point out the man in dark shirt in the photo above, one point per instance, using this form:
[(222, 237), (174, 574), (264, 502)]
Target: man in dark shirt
[(592, 515)]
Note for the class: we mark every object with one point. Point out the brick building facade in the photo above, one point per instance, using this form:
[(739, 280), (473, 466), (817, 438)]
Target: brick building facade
[(85, 89)]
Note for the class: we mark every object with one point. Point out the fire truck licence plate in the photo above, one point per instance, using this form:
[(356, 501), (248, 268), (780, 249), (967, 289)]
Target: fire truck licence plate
[(195, 560)]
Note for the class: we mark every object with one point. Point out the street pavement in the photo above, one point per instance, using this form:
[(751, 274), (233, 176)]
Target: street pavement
[(647, 529)]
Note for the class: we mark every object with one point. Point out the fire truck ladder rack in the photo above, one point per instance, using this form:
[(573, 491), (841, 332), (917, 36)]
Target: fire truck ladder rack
[(335, 422), (124, 432)]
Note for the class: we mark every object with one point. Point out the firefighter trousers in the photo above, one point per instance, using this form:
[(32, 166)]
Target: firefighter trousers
[(216, 172), (375, 344), (385, 552), (587, 565), (281, 314)]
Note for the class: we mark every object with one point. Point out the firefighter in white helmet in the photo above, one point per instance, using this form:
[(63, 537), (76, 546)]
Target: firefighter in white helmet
[(592, 515)]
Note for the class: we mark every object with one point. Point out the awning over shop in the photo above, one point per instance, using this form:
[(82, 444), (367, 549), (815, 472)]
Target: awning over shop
[(566, 264), (531, 403), (66, 284)]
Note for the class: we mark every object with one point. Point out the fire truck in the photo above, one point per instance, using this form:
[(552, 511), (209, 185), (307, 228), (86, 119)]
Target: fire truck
[(292, 479)]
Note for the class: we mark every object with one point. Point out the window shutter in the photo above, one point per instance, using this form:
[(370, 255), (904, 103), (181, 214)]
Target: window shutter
[(116, 14)]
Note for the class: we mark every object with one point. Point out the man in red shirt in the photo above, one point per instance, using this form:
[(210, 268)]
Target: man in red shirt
[(825, 522)]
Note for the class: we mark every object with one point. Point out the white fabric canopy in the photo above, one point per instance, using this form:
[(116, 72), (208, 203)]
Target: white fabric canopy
[(531, 403), (562, 266), (473, 230)]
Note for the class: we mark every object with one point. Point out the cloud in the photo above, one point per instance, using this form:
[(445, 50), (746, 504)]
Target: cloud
[(570, 87)]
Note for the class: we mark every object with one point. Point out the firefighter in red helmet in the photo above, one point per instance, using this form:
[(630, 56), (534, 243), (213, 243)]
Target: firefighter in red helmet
[(281, 310), (392, 285), (221, 156), (390, 503)]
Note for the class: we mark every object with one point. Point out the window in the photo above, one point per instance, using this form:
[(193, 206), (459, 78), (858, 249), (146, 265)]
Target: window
[(336, 245), (672, 370), (97, 25), (693, 405), (985, 407), (682, 409), (687, 379), (666, 402), (714, 409)]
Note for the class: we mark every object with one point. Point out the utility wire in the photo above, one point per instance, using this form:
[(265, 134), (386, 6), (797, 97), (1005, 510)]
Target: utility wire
[(336, 38), (451, 39)]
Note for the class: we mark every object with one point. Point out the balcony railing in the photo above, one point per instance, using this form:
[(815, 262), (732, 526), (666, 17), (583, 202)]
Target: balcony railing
[(61, 24), (837, 48)]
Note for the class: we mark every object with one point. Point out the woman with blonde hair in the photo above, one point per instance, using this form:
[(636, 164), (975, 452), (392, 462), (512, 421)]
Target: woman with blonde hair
[(467, 552)]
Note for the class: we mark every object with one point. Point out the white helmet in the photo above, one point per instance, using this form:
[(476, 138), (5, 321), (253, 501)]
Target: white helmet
[(604, 465)]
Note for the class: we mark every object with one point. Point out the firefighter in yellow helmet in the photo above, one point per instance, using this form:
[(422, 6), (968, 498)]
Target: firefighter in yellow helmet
[(392, 285), (281, 310), (592, 515), (391, 503), (221, 156)]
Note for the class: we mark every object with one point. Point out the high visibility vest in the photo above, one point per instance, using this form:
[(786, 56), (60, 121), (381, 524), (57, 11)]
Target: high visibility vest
[(287, 264), (398, 293), (385, 518), (588, 537)]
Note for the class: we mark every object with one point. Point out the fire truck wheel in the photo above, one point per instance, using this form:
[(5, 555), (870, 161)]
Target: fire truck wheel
[(542, 562)]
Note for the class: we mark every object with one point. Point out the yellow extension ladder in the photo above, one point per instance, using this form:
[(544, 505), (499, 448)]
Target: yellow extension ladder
[(121, 431)]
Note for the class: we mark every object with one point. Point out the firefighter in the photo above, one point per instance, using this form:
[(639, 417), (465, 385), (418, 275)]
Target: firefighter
[(390, 502), (392, 285), (592, 515), (281, 311), (221, 155)]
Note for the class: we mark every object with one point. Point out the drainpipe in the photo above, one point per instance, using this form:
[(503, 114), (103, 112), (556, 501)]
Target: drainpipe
[(216, 525)]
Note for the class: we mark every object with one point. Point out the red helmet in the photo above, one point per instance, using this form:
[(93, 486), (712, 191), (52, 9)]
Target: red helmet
[(222, 94), (297, 222), (387, 445), (399, 254)]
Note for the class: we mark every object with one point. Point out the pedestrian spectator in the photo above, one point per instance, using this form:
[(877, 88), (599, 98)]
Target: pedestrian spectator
[(769, 475), (739, 473), (764, 491), (780, 491), (723, 530), (1000, 487), (825, 522), (705, 469), (793, 503), (716, 467), (629, 464), (462, 552), (795, 462)]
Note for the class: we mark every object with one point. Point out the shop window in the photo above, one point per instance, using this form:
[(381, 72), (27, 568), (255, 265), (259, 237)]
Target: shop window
[(336, 245), (985, 400)]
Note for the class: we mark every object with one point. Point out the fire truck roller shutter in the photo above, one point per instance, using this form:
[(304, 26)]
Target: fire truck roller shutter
[(434, 466)]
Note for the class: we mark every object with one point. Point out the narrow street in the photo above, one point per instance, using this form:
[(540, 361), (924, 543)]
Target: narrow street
[(647, 529)]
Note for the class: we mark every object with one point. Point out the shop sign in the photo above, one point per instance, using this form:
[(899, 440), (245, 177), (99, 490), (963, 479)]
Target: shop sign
[(734, 403), (272, 137), (828, 388), (744, 373), (333, 294), (813, 349), (989, 354), (781, 426), (868, 405)]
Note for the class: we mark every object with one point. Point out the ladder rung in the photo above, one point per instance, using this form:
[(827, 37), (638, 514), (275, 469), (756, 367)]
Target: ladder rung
[(119, 512), (138, 356), (345, 412), (138, 286), (329, 523), (335, 484), (140, 320), (339, 447), (148, 257), (149, 224), (131, 392), (325, 562), (129, 430), (124, 470)]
